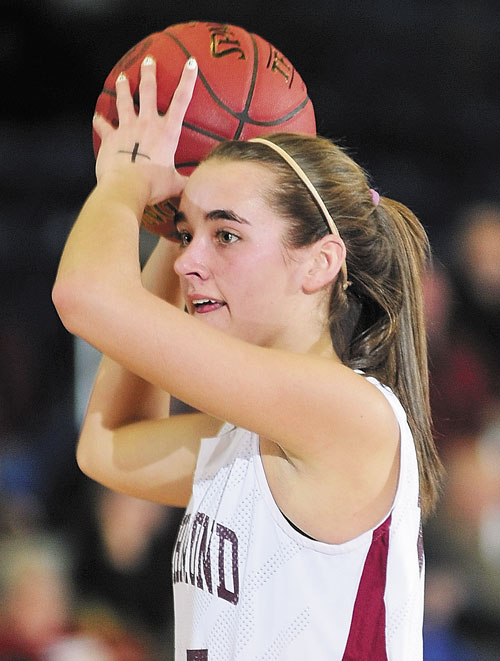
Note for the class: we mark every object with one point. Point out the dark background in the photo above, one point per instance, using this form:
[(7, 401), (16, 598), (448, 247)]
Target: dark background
[(410, 87)]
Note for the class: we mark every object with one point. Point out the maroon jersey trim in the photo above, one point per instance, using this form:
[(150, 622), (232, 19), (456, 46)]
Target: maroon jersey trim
[(366, 638)]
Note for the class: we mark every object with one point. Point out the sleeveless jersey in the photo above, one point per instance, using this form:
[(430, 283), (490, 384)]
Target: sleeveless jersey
[(248, 585)]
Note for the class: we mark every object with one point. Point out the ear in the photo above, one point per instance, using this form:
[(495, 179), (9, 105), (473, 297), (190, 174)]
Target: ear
[(325, 261)]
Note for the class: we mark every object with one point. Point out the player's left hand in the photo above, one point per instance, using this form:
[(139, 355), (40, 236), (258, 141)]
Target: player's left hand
[(146, 141)]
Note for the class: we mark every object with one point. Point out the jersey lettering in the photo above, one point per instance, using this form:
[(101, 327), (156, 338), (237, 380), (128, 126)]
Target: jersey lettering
[(196, 655), (226, 535), (199, 539)]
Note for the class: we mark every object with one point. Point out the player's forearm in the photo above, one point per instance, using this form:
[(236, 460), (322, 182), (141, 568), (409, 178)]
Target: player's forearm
[(102, 247), (120, 395), (102, 253)]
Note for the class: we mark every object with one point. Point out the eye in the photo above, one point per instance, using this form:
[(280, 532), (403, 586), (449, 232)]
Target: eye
[(226, 237), (184, 237)]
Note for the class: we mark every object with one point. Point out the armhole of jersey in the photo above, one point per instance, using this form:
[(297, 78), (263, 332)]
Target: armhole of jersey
[(292, 531), (406, 444), (297, 528), (404, 457)]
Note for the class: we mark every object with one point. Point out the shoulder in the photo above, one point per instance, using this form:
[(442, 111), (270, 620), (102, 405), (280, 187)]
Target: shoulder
[(347, 482), (355, 413)]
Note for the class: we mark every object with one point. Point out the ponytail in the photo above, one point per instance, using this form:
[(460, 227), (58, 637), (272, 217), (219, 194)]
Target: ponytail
[(389, 338)]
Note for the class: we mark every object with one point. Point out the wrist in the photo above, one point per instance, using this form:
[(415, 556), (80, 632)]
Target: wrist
[(126, 185)]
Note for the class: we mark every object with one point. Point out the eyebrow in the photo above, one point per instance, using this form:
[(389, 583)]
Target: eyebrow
[(216, 214)]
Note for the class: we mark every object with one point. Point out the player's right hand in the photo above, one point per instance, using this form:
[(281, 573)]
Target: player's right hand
[(146, 142)]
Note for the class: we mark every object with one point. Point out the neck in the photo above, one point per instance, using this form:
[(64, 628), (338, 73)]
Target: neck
[(317, 344), (323, 347), (307, 331)]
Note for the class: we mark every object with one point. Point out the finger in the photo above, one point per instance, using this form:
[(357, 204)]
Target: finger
[(148, 88), (102, 126), (124, 101), (183, 94)]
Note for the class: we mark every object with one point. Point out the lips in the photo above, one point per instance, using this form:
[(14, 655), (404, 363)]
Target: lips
[(202, 305)]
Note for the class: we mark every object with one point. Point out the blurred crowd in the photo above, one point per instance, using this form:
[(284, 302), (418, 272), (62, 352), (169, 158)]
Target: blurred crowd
[(95, 589), (463, 538)]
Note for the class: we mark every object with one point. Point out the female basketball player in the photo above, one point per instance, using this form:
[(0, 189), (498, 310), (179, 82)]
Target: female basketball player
[(305, 472)]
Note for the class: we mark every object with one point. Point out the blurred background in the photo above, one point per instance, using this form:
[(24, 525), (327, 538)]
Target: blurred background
[(412, 89)]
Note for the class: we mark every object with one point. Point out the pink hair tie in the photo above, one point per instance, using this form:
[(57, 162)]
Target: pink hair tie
[(375, 197)]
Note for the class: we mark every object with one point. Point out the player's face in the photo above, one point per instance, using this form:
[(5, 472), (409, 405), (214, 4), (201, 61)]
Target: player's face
[(235, 272)]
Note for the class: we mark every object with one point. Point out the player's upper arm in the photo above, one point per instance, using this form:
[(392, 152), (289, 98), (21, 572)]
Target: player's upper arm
[(151, 459)]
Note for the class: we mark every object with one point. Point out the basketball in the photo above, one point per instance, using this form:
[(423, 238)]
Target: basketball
[(245, 88)]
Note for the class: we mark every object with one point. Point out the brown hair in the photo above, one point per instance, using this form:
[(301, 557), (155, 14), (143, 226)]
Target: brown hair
[(376, 323)]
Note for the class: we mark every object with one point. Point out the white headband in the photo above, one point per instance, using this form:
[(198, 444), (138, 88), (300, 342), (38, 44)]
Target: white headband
[(305, 179)]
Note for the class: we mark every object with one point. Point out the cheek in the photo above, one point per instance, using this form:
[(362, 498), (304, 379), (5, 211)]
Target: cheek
[(263, 280)]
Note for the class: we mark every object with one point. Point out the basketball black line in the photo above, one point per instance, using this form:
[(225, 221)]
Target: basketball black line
[(204, 81), (251, 88), (242, 116), (279, 120), (254, 122), (249, 120), (198, 129), (274, 122), (270, 56), (208, 134)]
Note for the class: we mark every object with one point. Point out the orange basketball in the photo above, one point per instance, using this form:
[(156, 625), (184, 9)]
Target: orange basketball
[(245, 88)]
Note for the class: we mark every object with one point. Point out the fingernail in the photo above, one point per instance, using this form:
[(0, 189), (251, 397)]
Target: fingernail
[(121, 78), (191, 63), (148, 61)]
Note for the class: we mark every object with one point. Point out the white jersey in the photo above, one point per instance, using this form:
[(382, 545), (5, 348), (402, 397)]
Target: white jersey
[(249, 586)]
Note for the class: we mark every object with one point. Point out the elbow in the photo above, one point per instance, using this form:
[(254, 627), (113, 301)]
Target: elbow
[(94, 464), (76, 303), (68, 304), (89, 307), (86, 463), (83, 461)]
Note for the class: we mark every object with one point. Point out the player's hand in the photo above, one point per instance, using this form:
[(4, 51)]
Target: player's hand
[(146, 143)]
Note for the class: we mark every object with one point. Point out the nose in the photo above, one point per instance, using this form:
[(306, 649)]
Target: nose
[(193, 260)]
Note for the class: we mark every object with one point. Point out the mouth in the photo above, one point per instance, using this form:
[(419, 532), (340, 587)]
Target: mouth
[(204, 305)]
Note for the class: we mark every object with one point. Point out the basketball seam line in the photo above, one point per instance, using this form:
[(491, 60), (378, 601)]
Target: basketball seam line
[(251, 88), (239, 116), (243, 116)]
